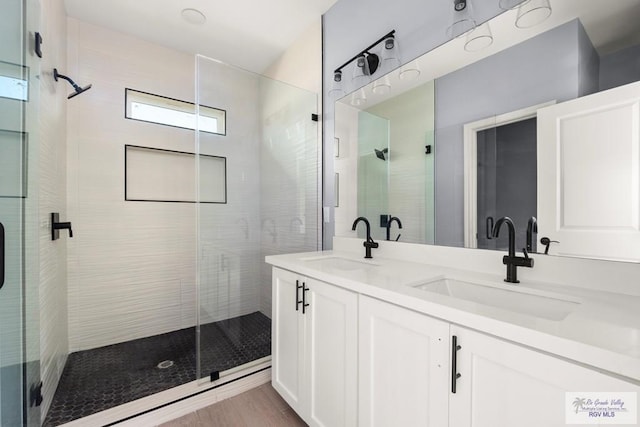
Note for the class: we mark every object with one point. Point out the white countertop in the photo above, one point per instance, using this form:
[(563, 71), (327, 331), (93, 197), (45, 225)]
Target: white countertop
[(603, 331)]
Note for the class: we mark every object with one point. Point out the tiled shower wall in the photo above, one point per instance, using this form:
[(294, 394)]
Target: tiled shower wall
[(53, 198), (132, 264)]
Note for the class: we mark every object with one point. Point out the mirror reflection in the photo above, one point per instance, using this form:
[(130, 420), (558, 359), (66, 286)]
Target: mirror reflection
[(538, 124)]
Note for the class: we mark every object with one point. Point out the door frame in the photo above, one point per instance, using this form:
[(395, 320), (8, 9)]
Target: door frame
[(470, 156)]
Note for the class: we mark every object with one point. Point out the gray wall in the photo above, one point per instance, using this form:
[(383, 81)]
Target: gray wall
[(352, 25), (620, 68), (507, 184), (541, 69), (588, 65)]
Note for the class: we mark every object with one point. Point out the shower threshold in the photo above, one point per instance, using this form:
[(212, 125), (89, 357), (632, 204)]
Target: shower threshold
[(99, 379)]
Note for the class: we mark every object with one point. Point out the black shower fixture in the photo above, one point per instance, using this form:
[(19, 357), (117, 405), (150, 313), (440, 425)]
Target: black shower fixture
[(78, 89), (381, 153)]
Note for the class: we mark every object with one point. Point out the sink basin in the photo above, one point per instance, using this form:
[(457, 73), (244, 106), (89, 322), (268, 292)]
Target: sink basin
[(548, 307), (339, 263)]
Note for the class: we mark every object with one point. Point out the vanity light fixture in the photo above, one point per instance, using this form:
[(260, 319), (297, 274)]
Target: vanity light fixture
[(532, 13), (337, 90), (410, 71), (358, 97), (462, 18), (382, 86), (389, 55), (367, 63), (479, 38)]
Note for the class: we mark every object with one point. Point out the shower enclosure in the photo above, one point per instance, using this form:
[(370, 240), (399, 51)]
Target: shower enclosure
[(19, 262), (168, 292), (270, 206)]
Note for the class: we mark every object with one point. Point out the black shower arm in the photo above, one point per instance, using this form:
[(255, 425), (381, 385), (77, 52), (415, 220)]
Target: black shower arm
[(57, 75)]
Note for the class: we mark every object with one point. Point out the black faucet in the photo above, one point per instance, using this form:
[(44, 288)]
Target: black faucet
[(388, 226), (369, 243), (512, 261), (532, 227)]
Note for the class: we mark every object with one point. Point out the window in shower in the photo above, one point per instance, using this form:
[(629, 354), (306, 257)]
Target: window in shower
[(13, 83), (158, 109)]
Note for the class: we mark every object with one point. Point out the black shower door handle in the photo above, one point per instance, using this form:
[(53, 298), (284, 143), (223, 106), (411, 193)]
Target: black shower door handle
[(1, 255)]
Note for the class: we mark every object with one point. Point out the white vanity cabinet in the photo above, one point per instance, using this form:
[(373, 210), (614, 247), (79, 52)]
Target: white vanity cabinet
[(314, 348), (403, 366), (503, 384)]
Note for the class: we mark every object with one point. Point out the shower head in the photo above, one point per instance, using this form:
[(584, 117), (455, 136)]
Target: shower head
[(381, 153), (78, 90)]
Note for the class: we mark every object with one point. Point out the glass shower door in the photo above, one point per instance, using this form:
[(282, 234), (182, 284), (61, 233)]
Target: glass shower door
[(19, 340), (258, 196), (373, 171)]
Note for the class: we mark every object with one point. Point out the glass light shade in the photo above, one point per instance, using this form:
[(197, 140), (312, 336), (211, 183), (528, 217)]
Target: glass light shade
[(389, 55), (361, 74), (358, 97), (532, 13), (411, 71), (462, 18), (382, 86), (337, 90), (511, 4), (478, 39)]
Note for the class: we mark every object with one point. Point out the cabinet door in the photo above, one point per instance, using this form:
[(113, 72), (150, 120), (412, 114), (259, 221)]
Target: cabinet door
[(287, 339), (504, 385), (403, 366), (331, 343)]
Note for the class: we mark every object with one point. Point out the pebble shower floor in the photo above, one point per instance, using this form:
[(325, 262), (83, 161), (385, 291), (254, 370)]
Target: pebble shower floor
[(105, 377)]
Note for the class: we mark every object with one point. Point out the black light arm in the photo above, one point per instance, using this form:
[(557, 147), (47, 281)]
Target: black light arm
[(365, 51)]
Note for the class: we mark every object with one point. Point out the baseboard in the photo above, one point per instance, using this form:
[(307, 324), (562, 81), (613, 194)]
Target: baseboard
[(178, 401)]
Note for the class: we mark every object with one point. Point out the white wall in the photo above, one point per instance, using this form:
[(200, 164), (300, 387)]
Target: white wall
[(53, 195)]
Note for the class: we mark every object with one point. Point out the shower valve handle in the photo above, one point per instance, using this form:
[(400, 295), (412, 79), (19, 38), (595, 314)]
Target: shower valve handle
[(56, 226)]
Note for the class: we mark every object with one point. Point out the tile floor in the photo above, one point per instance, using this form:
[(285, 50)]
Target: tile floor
[(105, 377)]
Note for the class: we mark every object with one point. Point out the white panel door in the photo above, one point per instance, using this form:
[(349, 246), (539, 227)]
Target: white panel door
[(506, 385), (403, 367), (287, 339), (331, 328), (589, 175)]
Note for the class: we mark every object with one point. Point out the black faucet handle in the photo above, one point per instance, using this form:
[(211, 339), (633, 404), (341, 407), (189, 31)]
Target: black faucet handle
[(547, 243), (489, 227), (526, 253)]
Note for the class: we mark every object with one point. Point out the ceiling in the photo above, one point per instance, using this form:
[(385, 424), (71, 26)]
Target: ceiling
[(250, 34)]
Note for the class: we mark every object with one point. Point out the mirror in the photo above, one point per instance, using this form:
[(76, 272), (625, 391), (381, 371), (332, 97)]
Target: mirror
[(542, 123)]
